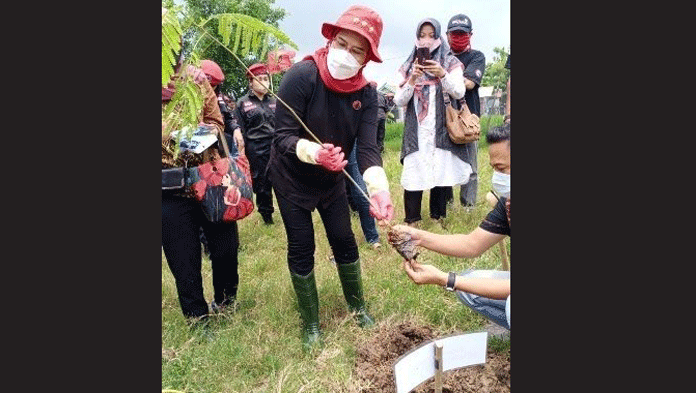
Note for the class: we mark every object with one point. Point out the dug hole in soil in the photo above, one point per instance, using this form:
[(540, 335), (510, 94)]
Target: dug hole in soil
[(375, 364)]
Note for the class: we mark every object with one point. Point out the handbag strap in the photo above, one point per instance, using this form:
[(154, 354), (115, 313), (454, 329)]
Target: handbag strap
[(461, 101), (223, 139)]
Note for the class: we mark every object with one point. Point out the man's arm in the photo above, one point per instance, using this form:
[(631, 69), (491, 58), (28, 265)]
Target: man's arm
[(473, 74), (211, 114), (493, 288)]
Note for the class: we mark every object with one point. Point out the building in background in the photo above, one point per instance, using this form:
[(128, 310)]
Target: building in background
[(396, 111), (492, 101)]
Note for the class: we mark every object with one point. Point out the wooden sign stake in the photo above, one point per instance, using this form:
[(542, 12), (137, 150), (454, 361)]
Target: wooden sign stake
[(438, 367)]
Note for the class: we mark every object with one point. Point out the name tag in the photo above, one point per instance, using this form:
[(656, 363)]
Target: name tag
[(248, 105)]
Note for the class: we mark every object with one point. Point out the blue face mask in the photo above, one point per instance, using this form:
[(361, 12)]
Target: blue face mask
[(501, 184)]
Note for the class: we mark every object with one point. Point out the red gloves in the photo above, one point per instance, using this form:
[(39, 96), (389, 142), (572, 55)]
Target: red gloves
[(383, 201), (331, 157)]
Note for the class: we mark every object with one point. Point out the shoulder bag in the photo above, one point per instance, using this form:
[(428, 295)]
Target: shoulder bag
[(462, 125)]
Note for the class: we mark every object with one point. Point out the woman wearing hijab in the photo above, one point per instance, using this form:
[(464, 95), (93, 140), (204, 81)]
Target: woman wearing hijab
[(334, 100), (431, 161)]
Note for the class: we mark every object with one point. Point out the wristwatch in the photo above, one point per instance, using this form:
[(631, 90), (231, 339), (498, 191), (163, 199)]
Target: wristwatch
[(450, 281)]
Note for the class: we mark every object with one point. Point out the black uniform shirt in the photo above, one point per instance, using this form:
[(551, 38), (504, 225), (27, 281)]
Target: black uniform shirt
[(336, 118), (474, 66), (256, 117), (498, 219)]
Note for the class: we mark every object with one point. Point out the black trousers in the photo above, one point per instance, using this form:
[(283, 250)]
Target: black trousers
[(438, 203), (380, 134), (300, 233), (258, 152), (182, 219)]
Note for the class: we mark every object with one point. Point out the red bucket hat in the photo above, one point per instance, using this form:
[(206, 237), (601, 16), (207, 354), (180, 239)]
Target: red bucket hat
[(257, 69), (213, 72), (362, 20)]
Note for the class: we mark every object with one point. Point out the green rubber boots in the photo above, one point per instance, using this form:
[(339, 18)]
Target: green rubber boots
[(351, 281), (308, 301)]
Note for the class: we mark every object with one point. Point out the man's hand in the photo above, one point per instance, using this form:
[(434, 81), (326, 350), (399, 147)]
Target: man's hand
[(238, 139), (384, 208), (410, 230), (331, 157), (425, 274)]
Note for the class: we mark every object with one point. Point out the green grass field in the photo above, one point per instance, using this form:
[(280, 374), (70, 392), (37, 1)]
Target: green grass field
[(258, 348)]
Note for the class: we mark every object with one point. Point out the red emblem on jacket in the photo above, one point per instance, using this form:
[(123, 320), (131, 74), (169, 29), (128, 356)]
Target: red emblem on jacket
[(357, 105)]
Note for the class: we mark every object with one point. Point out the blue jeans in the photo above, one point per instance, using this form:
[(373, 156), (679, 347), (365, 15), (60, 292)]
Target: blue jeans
[(491, 309), (468, 190), (367, 222)]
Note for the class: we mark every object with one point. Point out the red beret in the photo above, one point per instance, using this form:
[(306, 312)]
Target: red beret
[(213, 71), (257, 69)]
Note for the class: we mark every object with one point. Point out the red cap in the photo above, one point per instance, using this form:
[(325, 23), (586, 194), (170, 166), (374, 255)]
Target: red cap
[(257, 69), (213, 72), (362, 20)]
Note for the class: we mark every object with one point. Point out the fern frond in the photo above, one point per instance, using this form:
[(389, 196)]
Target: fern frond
[(237, 37), (250, 34), (264, 48), (246, 41), (225, 29), (184, 109), (171, 31)]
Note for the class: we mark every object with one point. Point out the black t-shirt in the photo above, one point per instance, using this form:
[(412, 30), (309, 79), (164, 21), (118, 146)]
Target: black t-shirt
[(498, 219), (474, 66), (336, 118)]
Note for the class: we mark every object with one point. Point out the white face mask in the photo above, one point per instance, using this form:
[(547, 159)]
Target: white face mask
[(342, 65), (501, 184), (430, 43)]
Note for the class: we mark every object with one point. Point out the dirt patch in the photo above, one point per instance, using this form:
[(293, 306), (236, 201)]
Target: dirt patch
[(375, 361)]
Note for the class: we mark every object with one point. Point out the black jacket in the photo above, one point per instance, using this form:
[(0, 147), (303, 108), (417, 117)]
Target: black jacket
[(334, 118), (256, 117)]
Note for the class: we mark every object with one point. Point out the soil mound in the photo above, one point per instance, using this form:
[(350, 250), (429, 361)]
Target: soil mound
[(375, 361)]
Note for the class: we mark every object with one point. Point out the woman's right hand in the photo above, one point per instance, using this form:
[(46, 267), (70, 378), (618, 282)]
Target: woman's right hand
[(415, 74)]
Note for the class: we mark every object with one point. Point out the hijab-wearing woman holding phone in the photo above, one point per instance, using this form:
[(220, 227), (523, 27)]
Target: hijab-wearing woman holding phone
[(431, 161)]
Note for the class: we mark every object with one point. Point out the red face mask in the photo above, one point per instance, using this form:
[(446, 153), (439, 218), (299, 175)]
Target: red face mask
[(459, 42)]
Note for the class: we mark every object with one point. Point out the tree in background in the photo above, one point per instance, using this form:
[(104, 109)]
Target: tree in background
[(235, 80), (496, 74)]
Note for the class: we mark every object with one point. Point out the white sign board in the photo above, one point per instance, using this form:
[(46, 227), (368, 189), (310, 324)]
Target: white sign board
[(418, 365), (200, 140)]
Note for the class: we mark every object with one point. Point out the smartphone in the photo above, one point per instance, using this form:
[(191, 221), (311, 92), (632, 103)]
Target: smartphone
[(422, 54)]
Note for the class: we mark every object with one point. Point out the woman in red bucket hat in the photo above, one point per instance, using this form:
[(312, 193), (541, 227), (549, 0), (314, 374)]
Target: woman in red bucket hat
[(328, 91)]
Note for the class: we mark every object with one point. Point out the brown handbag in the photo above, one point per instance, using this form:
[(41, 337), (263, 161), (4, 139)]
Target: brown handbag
[(462, 125)]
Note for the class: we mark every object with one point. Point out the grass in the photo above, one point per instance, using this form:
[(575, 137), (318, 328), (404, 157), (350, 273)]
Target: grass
[(258, 348)]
